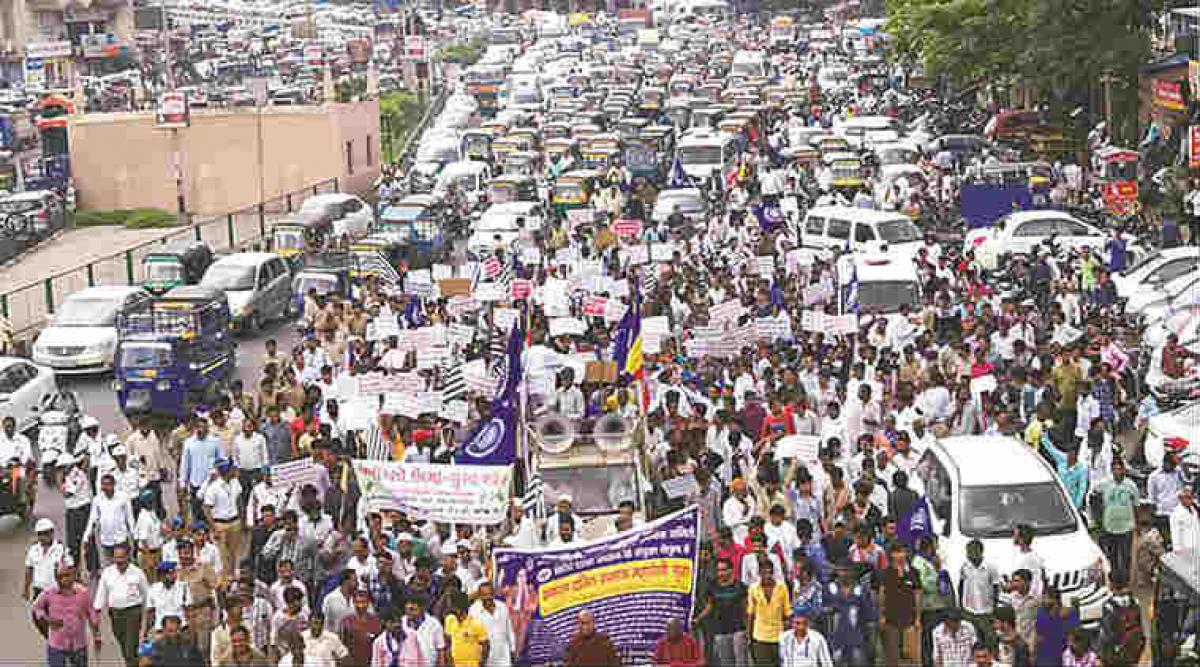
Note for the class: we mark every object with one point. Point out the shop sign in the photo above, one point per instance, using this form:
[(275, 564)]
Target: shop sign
[(1169, 95)]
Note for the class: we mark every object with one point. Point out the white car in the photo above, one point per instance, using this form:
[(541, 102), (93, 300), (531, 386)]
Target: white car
[(501, 220), (980, 487), (23, 387), (82, 336), (1021, 232), (1157, 269), (1153, 304), (351, 215), (1184, 323), (690, 201), (1178, 430)]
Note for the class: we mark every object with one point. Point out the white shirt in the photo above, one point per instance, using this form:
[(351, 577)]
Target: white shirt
[(148, 530), (1162, 489), (812, 651), (121, 590), (222, 496), (168, 601), (324, 649), (45, 562), (17, 446), (77, 488), (1185, 529), (337, 607), (250, 453), (499, 628), (365, 568), (736, 513), (431, 639), (127, 481), (111, 519)]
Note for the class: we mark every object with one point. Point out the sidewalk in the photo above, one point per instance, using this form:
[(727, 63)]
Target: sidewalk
[(73, 247)]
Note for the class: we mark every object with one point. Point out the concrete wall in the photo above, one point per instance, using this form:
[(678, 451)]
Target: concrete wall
[(230, 158)]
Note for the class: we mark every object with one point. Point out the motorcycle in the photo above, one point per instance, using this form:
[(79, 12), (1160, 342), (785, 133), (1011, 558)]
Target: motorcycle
[(58, 428)]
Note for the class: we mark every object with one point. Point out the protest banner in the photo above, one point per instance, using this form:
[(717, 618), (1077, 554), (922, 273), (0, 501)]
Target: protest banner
[(463, 304), (727, 311), (803, 447), (633, 583), (567, 326), (489, 292), (294, 474), (594, 305), (627, 228), (581, 216), (635, 255), (520, 289), (468, 494)]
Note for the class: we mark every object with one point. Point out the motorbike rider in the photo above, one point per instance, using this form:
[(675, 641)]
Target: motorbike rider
[(124, 473), (1042, 277), (15, 446), (89, 441)]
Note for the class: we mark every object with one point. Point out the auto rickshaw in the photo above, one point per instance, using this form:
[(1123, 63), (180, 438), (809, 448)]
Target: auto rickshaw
[(642, 157), (300, 234), (420, 226), (1118, 176), (831, 144), (378, 255), (847, 171), (174, 264), (326, 274), (682, 85), (498, 128), (805, 157), (582, 131), (527, 138), (630, 127), (599, 158), (174, 352), (574, 189), (522, 163), (505, 189), (652, 100), (477, 145), (555, 130), (1176, 619)]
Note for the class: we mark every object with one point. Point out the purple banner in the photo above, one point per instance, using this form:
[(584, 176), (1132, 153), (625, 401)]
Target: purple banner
[(633, 583)]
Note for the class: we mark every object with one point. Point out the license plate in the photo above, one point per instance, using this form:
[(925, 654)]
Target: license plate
[(139, 396)]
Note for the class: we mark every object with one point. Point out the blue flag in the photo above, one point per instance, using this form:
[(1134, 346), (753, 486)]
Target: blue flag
[(679, 179), (494, 440), (914, 523)]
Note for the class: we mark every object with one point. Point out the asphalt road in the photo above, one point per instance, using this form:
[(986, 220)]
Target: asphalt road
[(24, 645)]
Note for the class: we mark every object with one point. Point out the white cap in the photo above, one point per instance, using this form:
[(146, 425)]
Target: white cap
[(565, 498), (404, 537), (450, 548), (65, 460), (120, 450), (43, 525), (88, 421), (111, 439)]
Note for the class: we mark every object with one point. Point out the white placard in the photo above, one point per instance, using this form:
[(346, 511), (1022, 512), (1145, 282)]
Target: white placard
[(658, 325), (765, 265), (614, 310), (531, 255), (568, 326), (490, 292), (635, 255), (841, 325), (455, 411), (802, 447), (662, 252), (503, 318), (460, 335), (382, 328), (442, 271), (725, 312), (680, 487), (401, 403), (459, 306)]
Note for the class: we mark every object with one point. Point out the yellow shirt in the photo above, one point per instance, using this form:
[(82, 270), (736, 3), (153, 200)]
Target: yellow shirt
[(466, 640), (768, 614)]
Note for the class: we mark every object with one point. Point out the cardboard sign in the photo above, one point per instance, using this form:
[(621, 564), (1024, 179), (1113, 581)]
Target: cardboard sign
[(725, 312), (681, 487), (842, 325), (659, 325), (635, 255), (771, 328), (600, 371), (462, 305), (520, 289), (420, 283), (662, 252), (627, 228), (442, 272), (294, 474), (401, 403), (451, 287), (431, 356), (460, 335)]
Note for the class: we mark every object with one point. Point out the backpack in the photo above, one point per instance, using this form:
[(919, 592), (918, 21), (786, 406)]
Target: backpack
[(1128, 638)]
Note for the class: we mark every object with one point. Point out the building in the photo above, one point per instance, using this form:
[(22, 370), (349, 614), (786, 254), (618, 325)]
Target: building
[(44, 44), (227, 159)]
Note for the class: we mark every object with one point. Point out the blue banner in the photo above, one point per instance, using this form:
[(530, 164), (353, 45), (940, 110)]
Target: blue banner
[(914, 523), (983, 205), (633, 583), (494, 441)]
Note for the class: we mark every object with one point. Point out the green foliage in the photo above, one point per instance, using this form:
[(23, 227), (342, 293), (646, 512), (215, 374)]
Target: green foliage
[(137, 218), (351, 87), (1060, 47), (463, 54), (399, 112)]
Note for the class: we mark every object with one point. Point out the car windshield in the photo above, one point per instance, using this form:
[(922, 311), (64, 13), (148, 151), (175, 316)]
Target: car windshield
[(145, 356), (886, 296), (87, 313), (898, 231), (687, 205), (229, 277), (992, 511), (164, 272), (322, 284), (690, 155)]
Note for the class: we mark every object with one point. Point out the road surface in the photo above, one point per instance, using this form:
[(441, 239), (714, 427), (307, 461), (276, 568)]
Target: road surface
[(24, 645)]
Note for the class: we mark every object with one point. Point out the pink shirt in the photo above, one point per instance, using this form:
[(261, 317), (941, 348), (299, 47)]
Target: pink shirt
[(74, 609)]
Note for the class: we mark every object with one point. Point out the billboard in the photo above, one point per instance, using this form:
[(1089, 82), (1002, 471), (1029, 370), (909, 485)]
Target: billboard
[(173, 110)]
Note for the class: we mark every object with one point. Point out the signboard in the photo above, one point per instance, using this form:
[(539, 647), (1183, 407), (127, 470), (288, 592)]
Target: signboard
[(1168, 95), (1194, 146), (35, 73), (52, 49), (414, 47), (633, 583), (100, 45), (469, 494), (627, 228), (1194, 76), (173, 110), (294, 474)]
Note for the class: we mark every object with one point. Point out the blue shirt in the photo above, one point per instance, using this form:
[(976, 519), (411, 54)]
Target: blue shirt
[(852, 611), (199, 457), (1116, 255), (1074, 477)]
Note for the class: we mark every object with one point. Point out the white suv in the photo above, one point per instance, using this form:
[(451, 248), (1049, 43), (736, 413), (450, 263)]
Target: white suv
[(981, 487)]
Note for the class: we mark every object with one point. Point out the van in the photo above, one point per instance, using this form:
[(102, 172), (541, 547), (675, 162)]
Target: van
[(257, 284), (703, 152), (877, 284), (749, 64), (840, 228)]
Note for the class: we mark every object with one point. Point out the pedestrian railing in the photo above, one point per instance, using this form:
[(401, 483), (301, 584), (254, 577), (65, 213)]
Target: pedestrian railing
[(26, 307)]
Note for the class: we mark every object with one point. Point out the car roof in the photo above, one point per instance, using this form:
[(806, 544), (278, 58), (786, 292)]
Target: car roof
[(1040, 214), (857, 214), (978, 460), (5, 362), (110, 291), (28, 195), (245, 259)]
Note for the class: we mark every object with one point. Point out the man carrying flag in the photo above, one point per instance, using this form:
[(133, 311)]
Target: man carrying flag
[(494, 440), (628, 346)]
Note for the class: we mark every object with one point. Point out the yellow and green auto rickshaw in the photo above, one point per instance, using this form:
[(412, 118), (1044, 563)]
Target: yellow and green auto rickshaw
[(574, 189), (301, 233)]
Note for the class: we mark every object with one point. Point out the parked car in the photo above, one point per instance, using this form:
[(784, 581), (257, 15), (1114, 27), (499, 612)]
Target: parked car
[(1177, 431), (979, 487), (23, 388), (82, 336), (257, 284), (33, 214), (1157, 269), (1021, 232), (690, 201)]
